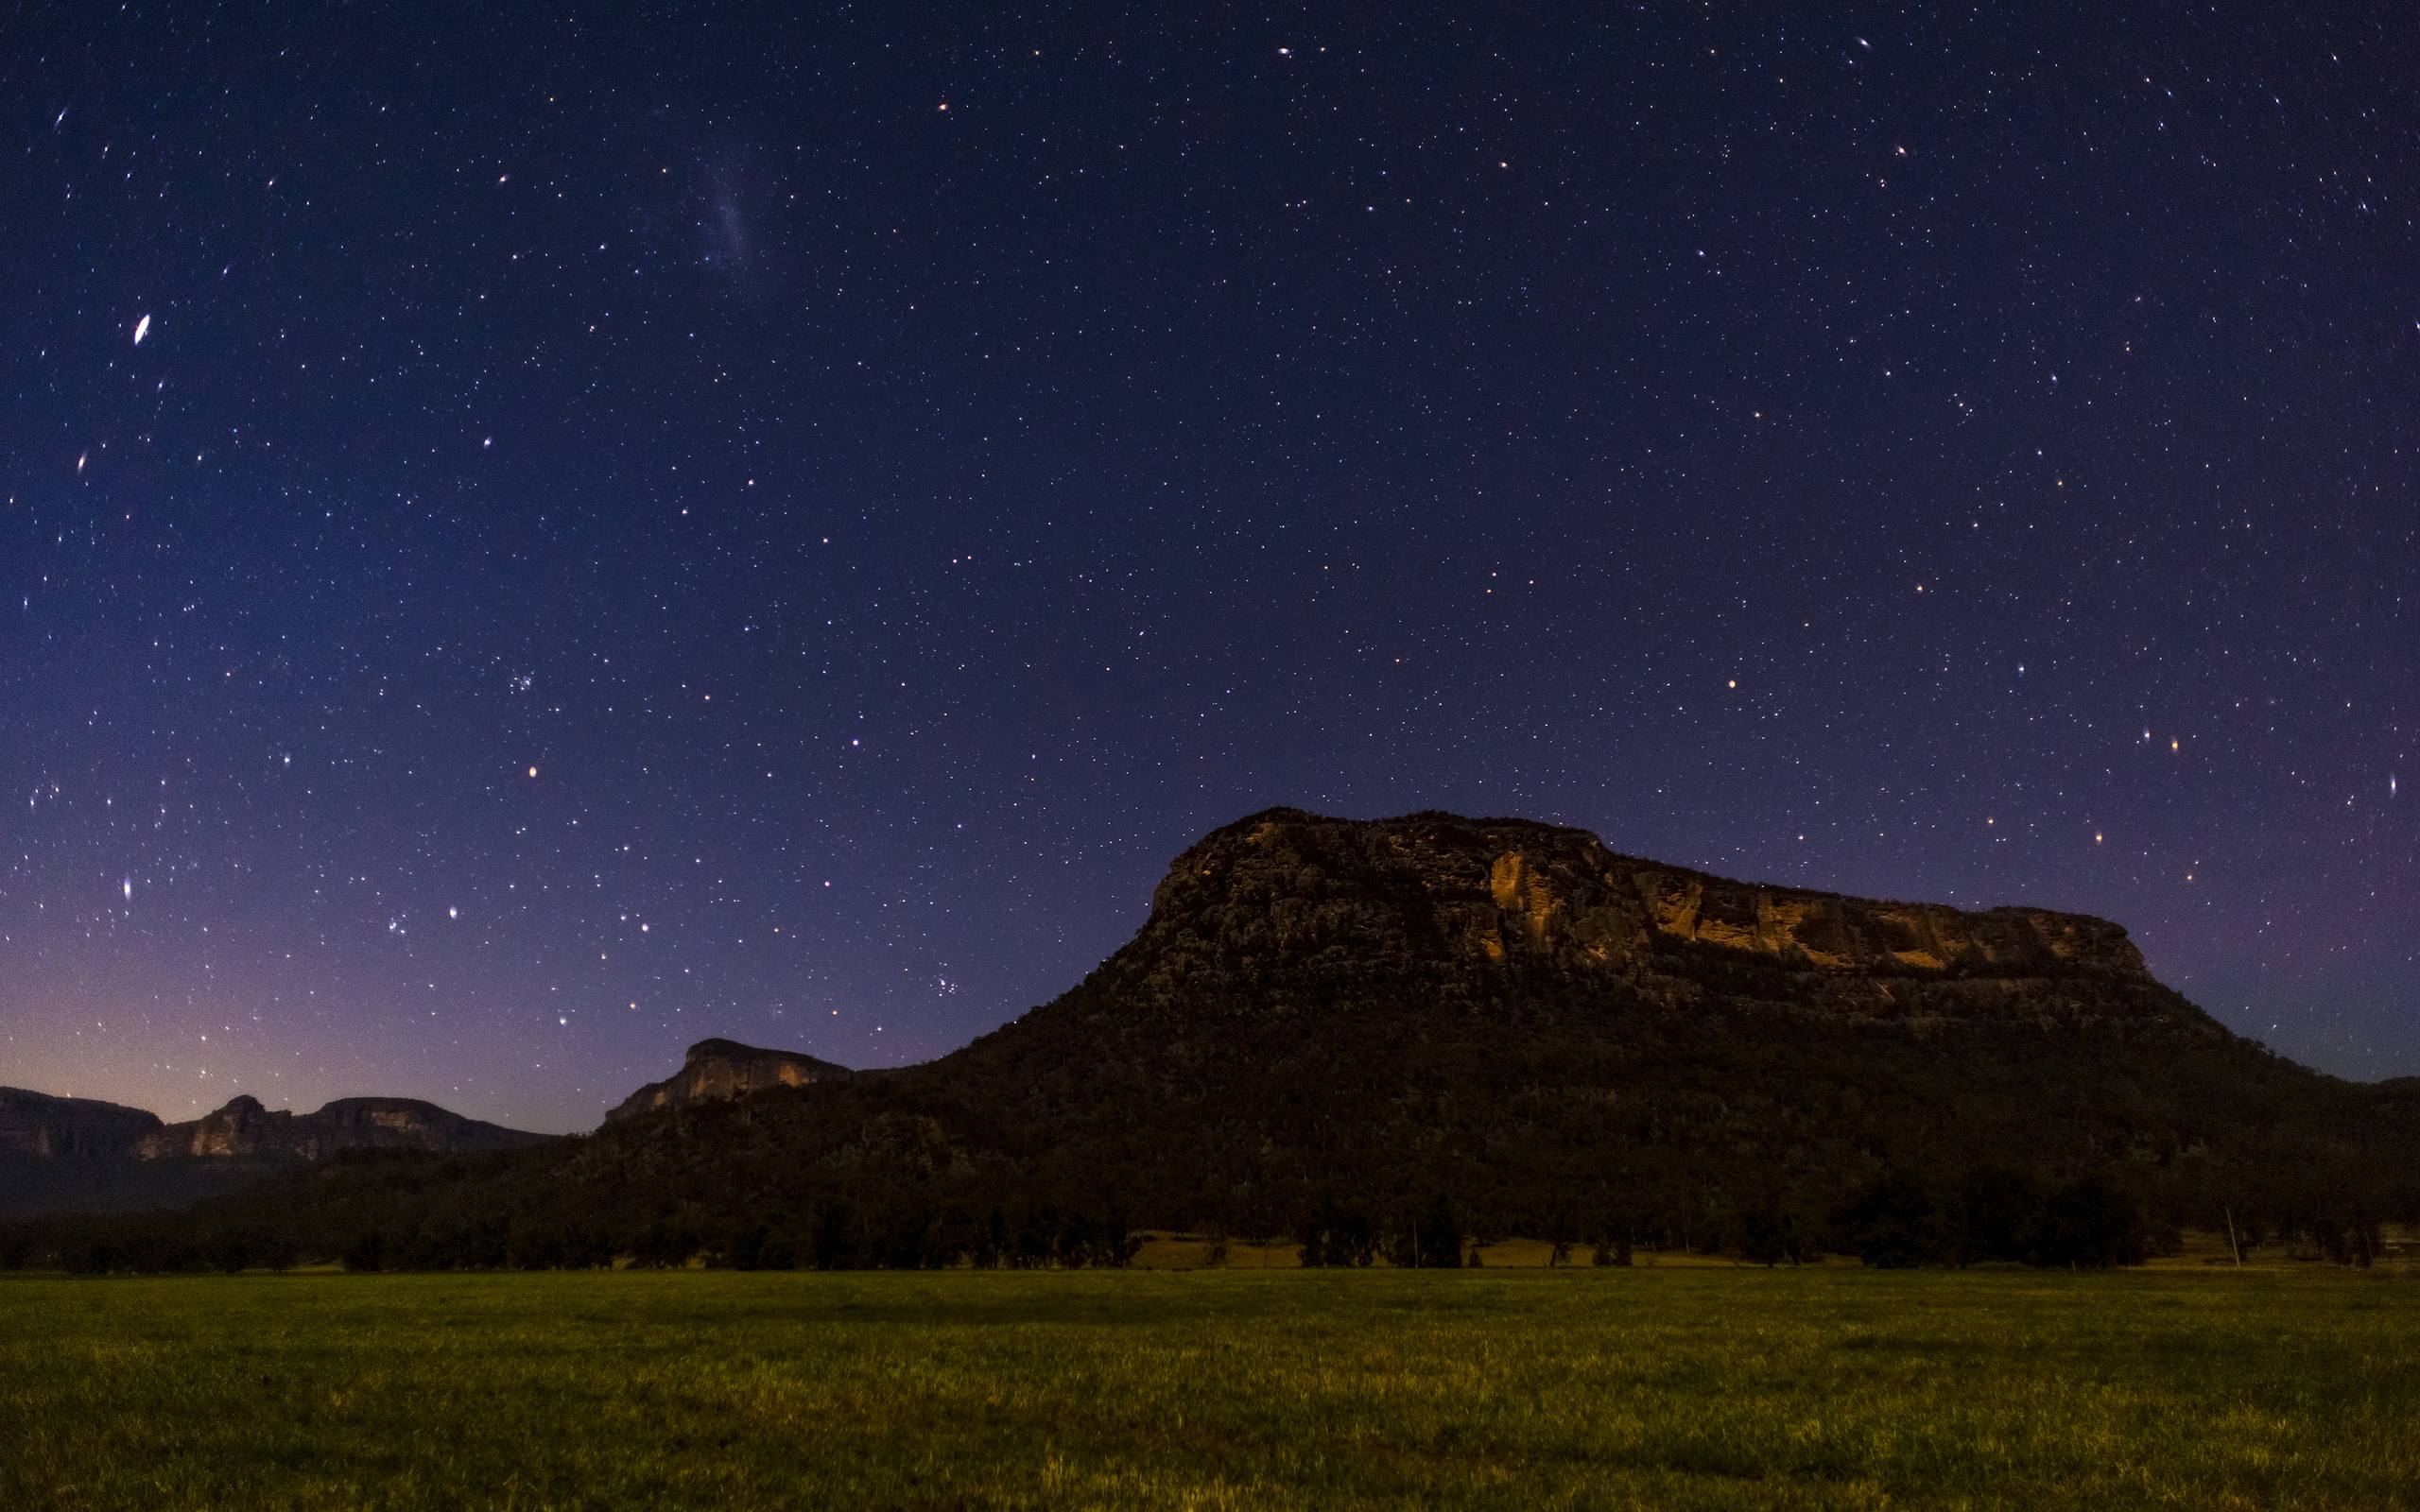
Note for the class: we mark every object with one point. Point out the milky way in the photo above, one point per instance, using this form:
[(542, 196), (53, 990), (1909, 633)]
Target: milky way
[(604, 535)]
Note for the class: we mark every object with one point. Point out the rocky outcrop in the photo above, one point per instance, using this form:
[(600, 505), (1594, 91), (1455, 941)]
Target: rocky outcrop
[(725, 1068), (39, 1127), (1285, 890), (244, 1128)]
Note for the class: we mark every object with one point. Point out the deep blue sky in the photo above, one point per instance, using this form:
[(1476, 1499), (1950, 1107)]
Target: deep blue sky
[(899, 477)]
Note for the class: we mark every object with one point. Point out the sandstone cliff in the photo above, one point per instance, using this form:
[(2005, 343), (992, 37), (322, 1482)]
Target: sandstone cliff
[(715, 1069), (1290, 893), (39, 1127), (244, 1128)]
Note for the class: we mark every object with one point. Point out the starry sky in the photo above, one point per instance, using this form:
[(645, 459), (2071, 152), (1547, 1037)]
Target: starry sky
[(532, 536)]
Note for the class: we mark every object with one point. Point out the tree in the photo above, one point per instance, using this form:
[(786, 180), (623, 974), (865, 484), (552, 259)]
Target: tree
[(992, 1243), (367, 1252), (2089, 1225), (1999, 1216), (747, 1251), (663, 1246), (1333, 1235), (1893, 1223), (1559, 1235), (1436, 1238), (831, 1243), (1765, 1235), (1120, 1240), (231, 1252)]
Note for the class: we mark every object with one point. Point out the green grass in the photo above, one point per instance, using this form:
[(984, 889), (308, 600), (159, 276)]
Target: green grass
[(1666, 1388)]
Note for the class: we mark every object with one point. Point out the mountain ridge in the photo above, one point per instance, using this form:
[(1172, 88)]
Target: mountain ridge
[(243, 1127), (65, 1152), (1328, 1015)]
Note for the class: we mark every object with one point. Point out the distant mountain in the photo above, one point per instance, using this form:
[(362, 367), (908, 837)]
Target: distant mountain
[(725, 1068), (245, 1128), (71, 1153), (36, 1126), (1327, 1016)]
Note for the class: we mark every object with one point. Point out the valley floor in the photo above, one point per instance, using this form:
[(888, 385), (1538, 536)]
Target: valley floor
[(1672, 1388)]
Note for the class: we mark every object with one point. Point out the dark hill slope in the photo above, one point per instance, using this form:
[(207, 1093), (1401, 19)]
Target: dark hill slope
[(1512, 1013), (1504, 1012)]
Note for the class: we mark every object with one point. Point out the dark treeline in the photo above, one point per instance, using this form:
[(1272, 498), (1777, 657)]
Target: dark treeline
[(834, 1236), (415, 1212), (1899, 1220)]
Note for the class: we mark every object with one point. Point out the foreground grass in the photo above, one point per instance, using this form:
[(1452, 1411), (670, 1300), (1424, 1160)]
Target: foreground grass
[(1678, 1389)]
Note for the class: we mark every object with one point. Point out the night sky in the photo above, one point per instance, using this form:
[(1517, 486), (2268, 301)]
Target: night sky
[(529, 539)]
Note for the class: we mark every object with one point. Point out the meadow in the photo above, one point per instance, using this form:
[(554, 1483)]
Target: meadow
[(1667, 1387)]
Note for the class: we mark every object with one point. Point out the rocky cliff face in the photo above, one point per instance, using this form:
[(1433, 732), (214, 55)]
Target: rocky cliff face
[(39, 1127), (244, 1128), (725, 1068), (1286, 891)]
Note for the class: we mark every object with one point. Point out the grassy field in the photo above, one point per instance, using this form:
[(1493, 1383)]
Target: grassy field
[(1672, 1388)]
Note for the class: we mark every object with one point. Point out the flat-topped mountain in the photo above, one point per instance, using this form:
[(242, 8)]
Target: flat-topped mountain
[(1326, 1015), (36, 1126), (725, 1068), (1286, 888), (1500, 1007), (1518, 1016)]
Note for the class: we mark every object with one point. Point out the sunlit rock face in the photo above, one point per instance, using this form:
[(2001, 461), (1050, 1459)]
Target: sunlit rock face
[(1286, 893), (725, 1068), (42, 1128), (244, 1128)]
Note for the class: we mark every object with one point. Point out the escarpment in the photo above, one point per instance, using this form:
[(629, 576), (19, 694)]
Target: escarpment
[(718, 1068), (65, 1153), (245, 1129), (36, 1126), (1290, 893)]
